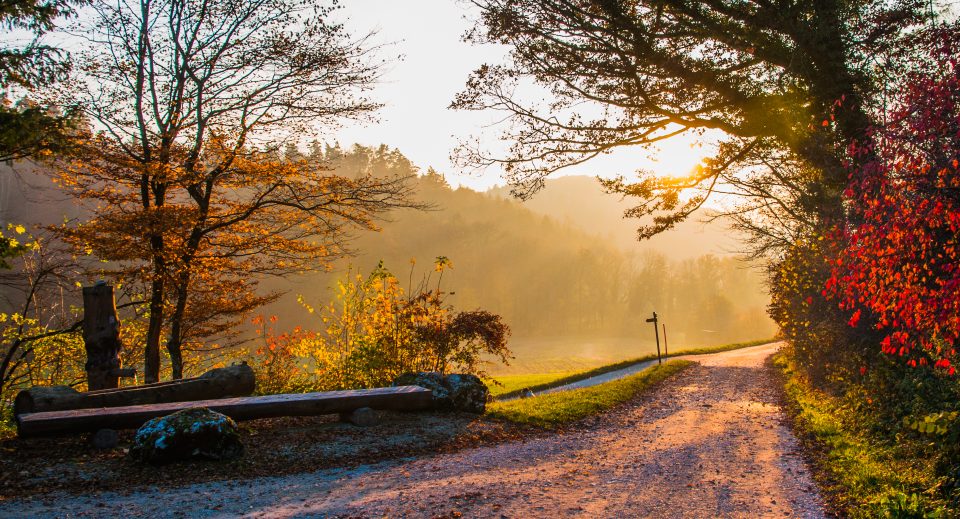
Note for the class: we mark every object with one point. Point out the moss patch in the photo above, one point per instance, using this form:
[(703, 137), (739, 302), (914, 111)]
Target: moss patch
[(196, 433)]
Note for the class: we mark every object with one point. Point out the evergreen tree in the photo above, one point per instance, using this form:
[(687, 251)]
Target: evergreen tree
[(26, 128)]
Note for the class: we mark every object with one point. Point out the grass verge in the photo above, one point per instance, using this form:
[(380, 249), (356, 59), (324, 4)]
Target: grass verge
[(512, 384), (862, 476), (512, 387), (556, 409)]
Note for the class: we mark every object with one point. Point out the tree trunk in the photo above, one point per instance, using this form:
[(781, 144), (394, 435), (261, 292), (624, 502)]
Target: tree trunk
[(101, 337), (151, 362), (176, 358), (175, 341), (236, 380)]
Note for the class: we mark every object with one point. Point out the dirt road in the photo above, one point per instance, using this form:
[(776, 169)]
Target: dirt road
[(709, 443)]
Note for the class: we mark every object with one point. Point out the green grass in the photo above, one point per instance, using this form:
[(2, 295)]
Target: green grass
[(864, 476), (513, 384), (556, 409)]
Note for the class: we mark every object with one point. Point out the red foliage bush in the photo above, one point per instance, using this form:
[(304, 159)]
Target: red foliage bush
[(899, 266)]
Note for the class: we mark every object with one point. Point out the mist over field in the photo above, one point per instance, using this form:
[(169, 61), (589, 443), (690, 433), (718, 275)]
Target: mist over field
[(564, 269)]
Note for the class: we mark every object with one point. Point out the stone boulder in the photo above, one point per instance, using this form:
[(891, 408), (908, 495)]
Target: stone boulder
[(467, 392), (196, 433), (362, 417), (459, 391)]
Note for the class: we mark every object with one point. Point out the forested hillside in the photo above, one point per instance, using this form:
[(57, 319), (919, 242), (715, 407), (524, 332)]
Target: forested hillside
[(580, 201), (548, 277), (567, 278)]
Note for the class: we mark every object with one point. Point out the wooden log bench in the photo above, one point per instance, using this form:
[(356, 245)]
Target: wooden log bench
[(402, 398), (231, 381)]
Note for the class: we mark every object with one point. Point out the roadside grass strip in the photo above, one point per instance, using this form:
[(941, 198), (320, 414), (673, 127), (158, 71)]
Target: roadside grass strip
[(555, 409), (863, 476), (512, 385)]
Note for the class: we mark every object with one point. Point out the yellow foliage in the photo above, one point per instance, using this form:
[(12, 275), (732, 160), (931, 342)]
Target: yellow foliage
[(372, 333)]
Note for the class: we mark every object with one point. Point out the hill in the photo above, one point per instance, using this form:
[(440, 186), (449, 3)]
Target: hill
[(562, 269), (581, 202)]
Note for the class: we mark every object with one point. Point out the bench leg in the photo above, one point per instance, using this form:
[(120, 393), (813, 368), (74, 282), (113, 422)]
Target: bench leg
[(362, 417)]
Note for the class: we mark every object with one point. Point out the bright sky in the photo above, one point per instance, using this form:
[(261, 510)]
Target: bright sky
[(434, 67)]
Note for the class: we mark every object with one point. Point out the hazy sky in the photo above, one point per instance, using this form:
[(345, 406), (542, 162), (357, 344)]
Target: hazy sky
[(434, 67), (435, 63)]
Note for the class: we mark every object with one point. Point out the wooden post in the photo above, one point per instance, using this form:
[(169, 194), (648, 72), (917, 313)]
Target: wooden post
[(656, 332), (666, 353), (101, 337)]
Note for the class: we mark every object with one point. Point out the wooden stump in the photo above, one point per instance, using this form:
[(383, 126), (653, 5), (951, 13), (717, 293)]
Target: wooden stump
[(101, 337)]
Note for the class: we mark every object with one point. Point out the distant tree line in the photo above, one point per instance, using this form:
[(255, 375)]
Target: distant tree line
[(544, 277)]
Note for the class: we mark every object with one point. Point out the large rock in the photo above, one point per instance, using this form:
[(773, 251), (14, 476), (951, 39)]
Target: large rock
[(467, 392), (460, 391), (196, 433)]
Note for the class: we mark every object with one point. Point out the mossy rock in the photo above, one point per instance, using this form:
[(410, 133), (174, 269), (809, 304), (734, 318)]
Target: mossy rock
[(196, 433), (458, 392), (467, 392)]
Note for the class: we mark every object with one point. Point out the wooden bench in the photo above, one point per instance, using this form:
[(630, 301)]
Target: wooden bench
[(403, 398), (232, 381)]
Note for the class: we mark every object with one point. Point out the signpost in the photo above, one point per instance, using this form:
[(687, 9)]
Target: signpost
[(656, 332)]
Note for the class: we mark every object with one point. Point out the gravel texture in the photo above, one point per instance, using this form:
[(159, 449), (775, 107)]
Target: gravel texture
[(709, 443)]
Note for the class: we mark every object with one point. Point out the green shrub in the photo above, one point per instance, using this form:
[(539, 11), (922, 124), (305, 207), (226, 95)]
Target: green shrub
[(868, 473), (373, 331)]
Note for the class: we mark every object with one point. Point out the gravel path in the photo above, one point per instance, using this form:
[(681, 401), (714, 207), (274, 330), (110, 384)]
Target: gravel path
[(614, 375), (709, 443)]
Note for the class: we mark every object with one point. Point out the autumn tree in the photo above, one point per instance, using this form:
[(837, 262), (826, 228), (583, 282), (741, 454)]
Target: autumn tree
[(38, 343), (190, 102), (768, 76), (897, 270)]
